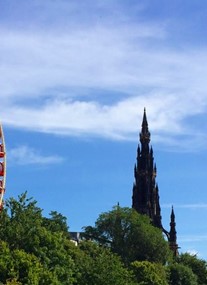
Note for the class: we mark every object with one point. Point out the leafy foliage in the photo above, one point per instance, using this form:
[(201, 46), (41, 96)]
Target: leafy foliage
[(149, 273), (125, 249), (57, 223), (100, 266), (36, 252), (130, 235), (198, 266), (180, 274)]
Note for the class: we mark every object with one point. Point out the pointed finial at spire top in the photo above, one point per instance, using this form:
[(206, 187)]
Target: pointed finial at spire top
[(144, 121), (172, 214), (144, 116), (145, 134)]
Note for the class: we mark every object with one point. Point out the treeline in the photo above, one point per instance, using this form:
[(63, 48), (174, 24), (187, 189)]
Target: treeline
[(123, 248)]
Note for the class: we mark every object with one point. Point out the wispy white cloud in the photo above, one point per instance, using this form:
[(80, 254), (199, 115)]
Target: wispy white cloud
[(115, 121), (134, 58), (192, 238), (24, 155), (187, 206), (193, 252), (102, 57)]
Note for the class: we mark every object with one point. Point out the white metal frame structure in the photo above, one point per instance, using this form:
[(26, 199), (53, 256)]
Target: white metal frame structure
[(2, 167)]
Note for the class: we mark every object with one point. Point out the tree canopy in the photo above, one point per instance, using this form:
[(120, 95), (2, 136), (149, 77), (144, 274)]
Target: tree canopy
[(123, 248), (130, 235), (149, 273), (37, 250), (179, 274), (198, 266)]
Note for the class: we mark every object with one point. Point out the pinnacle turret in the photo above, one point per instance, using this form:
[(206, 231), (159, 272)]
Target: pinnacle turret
[(172, 216), (173, 234)]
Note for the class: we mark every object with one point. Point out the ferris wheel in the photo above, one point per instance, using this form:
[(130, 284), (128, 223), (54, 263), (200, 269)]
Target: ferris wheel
[(2, 167)]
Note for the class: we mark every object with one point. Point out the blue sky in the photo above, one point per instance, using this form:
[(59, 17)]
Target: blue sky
[(75, 78)]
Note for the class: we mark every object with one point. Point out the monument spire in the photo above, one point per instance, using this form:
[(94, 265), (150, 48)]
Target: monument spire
[(145, 199)]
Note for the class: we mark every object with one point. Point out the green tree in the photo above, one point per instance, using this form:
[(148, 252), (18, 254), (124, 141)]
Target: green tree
[(19, 221), (98, 265), (148, 273), (179, 274), (130, 235), (56, 223), (198, 266), (19, 267), (28, 237)]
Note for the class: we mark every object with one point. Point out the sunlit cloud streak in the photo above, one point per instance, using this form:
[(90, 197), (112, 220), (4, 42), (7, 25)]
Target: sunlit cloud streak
[(187, 206), (24, 155), (193, 238), (47, 76)]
